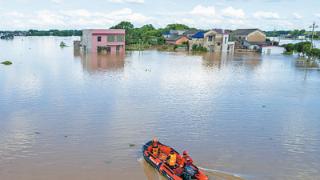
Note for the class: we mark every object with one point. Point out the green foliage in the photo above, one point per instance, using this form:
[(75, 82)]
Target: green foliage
[(289, 47), (147, 27), (198, 48), (288, 53), (142, 37), (302, 47), (6, 63), (124, 25), (276, 33), (294, 33), (314, 53), (177, 27)]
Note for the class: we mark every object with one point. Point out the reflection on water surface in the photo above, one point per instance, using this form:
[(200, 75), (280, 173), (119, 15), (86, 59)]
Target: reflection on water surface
[(67, 115)]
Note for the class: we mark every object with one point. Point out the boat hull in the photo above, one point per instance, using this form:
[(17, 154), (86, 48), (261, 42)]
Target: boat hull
[(163, 168)]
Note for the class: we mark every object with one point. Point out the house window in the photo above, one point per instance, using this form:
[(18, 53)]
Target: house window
[(120, 38), (218, 43), (111, 38), (99, 38), (210, 38), (225, 40)]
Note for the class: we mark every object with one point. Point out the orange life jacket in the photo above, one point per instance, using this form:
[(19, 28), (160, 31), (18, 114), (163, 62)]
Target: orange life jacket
[(172, 159)]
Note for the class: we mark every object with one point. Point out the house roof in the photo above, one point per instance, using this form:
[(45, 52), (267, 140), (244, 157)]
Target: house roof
[(245, 31), (166, 33), (198, 35), (190, 32), (220, 31), (174, 38)]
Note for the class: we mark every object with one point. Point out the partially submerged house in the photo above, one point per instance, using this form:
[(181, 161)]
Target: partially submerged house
[(216, 40), (177, 40), (171, 33), (103, 40), (249, 38), (178, 37), (189, 33)]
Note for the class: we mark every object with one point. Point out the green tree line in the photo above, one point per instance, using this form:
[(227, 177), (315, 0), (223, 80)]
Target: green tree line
[(146, 34), (54, 32), (304, 48), (292, 33)]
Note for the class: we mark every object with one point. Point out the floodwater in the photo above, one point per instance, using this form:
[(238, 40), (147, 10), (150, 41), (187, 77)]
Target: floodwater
[(65, 115)]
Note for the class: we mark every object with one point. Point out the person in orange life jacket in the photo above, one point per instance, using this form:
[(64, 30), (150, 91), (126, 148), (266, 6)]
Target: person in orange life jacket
[(172, 159), (186, 158), (155, 147)]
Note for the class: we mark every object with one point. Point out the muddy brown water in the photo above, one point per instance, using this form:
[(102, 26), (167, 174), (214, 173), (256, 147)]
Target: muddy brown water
[(65, 115)]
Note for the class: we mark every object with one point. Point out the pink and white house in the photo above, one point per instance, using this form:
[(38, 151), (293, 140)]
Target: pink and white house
[(109, 40)]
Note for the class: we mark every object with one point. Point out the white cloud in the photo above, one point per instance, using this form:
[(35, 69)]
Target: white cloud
[(57, 1), (127, 1), (14, 14), (66, 19), (201, 10), (317, 15), (297, 16), (233, 13), (266, 15)]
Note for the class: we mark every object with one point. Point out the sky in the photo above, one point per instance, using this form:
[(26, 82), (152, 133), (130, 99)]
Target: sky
[(204, 14)]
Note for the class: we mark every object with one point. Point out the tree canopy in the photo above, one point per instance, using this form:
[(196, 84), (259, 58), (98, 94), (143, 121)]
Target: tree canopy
[(147, 34), (304, 48), (124, 25), (177, 27)]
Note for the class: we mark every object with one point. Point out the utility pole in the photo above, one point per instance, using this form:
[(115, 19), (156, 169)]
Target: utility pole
[(313, 26), (274, 34)]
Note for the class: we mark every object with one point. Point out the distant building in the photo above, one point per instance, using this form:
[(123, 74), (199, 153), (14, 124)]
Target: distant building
[(103, 40), (166, 34), (301, 37), (216, 40), (249, 38), (177, 32), (173, 33), (176, 39), (189, 33)]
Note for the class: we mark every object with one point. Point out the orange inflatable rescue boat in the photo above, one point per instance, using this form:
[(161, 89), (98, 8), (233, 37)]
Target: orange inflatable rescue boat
[(170, 163)]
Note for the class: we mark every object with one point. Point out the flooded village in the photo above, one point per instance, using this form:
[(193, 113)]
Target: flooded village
[(142, 89)]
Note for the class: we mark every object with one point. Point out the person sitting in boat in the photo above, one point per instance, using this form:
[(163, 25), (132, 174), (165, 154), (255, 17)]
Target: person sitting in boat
[(154, 148), (172, 159), (187, 159)]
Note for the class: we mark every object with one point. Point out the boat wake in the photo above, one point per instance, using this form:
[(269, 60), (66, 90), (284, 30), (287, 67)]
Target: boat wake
[(217, 174), (152, 174)]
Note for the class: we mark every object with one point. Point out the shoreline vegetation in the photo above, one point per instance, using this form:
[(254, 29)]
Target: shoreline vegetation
[(290, 34), (294, 34), (308, 56), (149, 37), (303, 49)]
